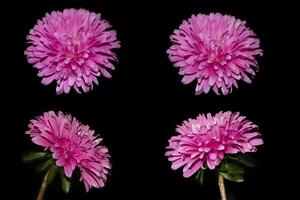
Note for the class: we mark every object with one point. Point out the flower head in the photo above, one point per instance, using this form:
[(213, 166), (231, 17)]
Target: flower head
[(72, 145), (207, 139), (73, 48), (216, 50)]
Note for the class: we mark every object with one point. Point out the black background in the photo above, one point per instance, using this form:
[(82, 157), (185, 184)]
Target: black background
[(136, 111)]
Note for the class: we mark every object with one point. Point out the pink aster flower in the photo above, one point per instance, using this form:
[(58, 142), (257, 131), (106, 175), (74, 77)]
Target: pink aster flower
[(73, 48), (72, 145), (207, 139), (216, 50)]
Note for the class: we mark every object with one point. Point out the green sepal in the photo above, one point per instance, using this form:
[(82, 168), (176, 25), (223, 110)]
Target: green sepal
[(51, 173), (65, 183), (34, 156), (231, 171), (232, 177), (244, 159), (45, 165), (200, 176), (232, 168)]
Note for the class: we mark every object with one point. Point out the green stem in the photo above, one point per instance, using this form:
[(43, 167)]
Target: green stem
[(43, 188), (222, 187)]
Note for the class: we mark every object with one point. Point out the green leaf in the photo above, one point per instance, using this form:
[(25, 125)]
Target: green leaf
[(232, 177), (45, 165), (247, 160), (244, 159), (233, 168), (34, 156), (51, 174), (65, 183), (200, 176)]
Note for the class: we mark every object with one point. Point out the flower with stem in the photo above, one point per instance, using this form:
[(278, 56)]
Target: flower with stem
[(214, 143), (68, 145)]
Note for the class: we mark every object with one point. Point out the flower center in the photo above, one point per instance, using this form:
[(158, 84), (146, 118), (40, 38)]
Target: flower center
[(215, 48), (72, 45), (67, 148)]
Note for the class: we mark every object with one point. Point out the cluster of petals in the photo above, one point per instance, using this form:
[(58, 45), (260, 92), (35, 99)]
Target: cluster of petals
[(72, 48), (215, 50)]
